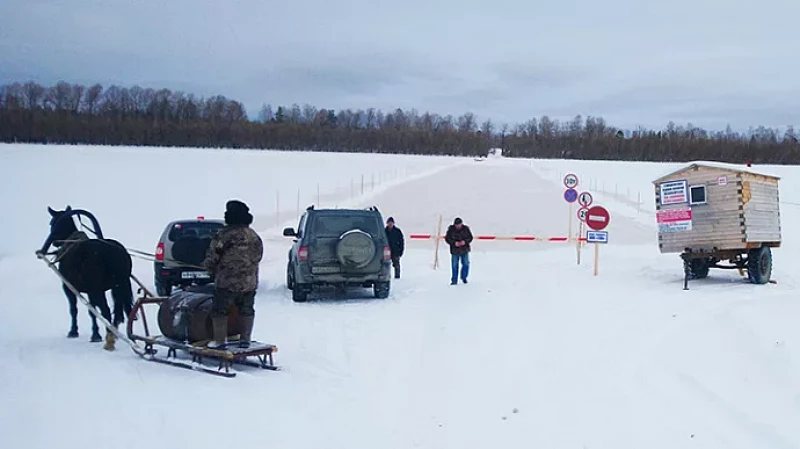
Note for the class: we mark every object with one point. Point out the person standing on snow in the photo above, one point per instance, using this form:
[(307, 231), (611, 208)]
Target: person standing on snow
[(233, 257), (396, 245), (459, 238)]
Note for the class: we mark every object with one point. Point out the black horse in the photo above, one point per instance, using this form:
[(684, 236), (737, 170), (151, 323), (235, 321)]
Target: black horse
[(92, 266)]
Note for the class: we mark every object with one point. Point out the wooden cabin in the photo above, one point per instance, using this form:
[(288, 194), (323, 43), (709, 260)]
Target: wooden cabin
[(717, 209)]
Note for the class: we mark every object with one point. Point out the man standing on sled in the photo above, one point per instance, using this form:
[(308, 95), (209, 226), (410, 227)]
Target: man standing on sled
[(233, 258)]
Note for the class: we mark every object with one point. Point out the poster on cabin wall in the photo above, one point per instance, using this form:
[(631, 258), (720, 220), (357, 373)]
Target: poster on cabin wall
[(674, 192), (674, 220)]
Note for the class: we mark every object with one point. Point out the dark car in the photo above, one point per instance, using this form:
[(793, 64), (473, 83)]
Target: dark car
[(180, 252), (339, 247)]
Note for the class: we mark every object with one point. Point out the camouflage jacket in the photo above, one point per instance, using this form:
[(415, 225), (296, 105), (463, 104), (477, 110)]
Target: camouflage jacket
[(233, 258)]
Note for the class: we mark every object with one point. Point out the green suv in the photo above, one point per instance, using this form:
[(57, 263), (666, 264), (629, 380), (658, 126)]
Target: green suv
[(338, 247)]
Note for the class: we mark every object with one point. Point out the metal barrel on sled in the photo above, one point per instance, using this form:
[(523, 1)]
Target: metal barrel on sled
[(185, 324)]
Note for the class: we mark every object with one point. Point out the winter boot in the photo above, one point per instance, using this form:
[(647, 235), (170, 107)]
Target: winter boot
[(397, 272), (220, 325), (246, 329)]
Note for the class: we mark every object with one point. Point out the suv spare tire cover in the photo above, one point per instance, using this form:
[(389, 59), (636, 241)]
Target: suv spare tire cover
[(355, 249)]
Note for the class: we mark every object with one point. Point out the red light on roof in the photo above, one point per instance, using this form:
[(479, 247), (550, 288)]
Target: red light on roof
[(200, 217)]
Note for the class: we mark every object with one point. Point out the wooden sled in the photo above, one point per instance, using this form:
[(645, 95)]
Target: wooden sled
[(258, 354)]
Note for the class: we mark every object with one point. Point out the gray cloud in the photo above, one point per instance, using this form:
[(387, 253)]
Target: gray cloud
[(708, 61)]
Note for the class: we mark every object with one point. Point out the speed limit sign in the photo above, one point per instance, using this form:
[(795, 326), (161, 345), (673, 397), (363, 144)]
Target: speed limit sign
[(585, 199), (571, 181), (582, 213)]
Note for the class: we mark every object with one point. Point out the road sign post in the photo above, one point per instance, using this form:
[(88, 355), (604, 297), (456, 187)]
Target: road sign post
[(571, 195), (578, 243), (598, 238), (581, 225)]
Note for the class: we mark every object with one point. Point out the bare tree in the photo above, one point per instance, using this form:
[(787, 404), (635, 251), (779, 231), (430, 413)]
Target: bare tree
[(33, 95), (92, 99), (309, 113), (265, 114), (467, 122)]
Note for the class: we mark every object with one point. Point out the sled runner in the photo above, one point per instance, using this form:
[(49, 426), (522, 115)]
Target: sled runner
[(184, 320)]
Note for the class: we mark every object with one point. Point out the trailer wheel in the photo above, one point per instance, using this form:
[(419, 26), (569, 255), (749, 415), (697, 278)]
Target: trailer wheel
[(759, 265), (699, 268)]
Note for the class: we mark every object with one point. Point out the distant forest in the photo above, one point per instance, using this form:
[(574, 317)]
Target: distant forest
[(74, 114)]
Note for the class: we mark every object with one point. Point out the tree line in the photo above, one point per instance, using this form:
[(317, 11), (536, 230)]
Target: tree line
[(76, 114)]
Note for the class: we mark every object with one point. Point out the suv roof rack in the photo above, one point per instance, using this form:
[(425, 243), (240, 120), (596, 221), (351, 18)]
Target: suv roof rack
[(372, 209)]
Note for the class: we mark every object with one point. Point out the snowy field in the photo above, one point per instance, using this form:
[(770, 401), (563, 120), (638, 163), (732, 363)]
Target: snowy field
[(534, 352)]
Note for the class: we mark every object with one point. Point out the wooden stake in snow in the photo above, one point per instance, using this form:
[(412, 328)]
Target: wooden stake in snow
[(436, 245)]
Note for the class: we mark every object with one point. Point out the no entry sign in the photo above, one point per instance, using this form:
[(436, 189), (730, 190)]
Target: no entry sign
[(571, 181), (597, 218), (571, 195)]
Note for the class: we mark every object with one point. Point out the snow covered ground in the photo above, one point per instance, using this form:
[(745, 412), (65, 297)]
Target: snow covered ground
[(534, 352)]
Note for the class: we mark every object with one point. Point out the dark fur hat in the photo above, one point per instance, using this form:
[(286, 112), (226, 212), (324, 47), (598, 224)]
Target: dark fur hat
[(237, 213)]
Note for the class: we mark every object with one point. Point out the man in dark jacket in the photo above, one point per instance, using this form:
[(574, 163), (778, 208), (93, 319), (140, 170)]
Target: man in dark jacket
[(459, 238), (396, 245), (233, 257)]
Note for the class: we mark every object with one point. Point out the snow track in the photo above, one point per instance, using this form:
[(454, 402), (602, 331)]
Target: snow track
[(534, 352)]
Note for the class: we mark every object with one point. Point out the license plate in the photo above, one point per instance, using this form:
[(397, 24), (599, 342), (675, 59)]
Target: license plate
[(195, 275), (325, 270)]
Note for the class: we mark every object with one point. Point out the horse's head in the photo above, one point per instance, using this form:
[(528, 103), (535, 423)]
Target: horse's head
[(61, 225)]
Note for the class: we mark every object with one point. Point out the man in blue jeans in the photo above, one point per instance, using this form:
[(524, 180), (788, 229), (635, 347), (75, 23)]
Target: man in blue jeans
[(459, 238)]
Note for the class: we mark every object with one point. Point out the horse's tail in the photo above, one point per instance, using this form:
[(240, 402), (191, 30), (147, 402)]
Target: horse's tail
[(123, 299)]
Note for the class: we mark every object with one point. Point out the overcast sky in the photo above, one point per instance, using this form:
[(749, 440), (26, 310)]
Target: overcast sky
[(634, 62)]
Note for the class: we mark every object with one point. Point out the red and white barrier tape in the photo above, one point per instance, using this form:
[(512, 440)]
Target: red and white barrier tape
[(529, 238), (518, 238)]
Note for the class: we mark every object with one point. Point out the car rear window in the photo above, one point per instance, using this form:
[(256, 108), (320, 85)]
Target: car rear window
[(336, 225), (201, 230)]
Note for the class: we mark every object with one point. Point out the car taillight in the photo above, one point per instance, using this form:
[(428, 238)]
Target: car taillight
[(160, 251), (302, 253), (387, 253)]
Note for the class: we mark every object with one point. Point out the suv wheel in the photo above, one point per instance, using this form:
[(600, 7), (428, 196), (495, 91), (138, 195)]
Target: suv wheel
[(299, 294), (381, 289), (289, 277), (163, 289)]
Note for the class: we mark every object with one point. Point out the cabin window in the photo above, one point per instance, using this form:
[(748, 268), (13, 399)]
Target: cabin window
[(697, 194)]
